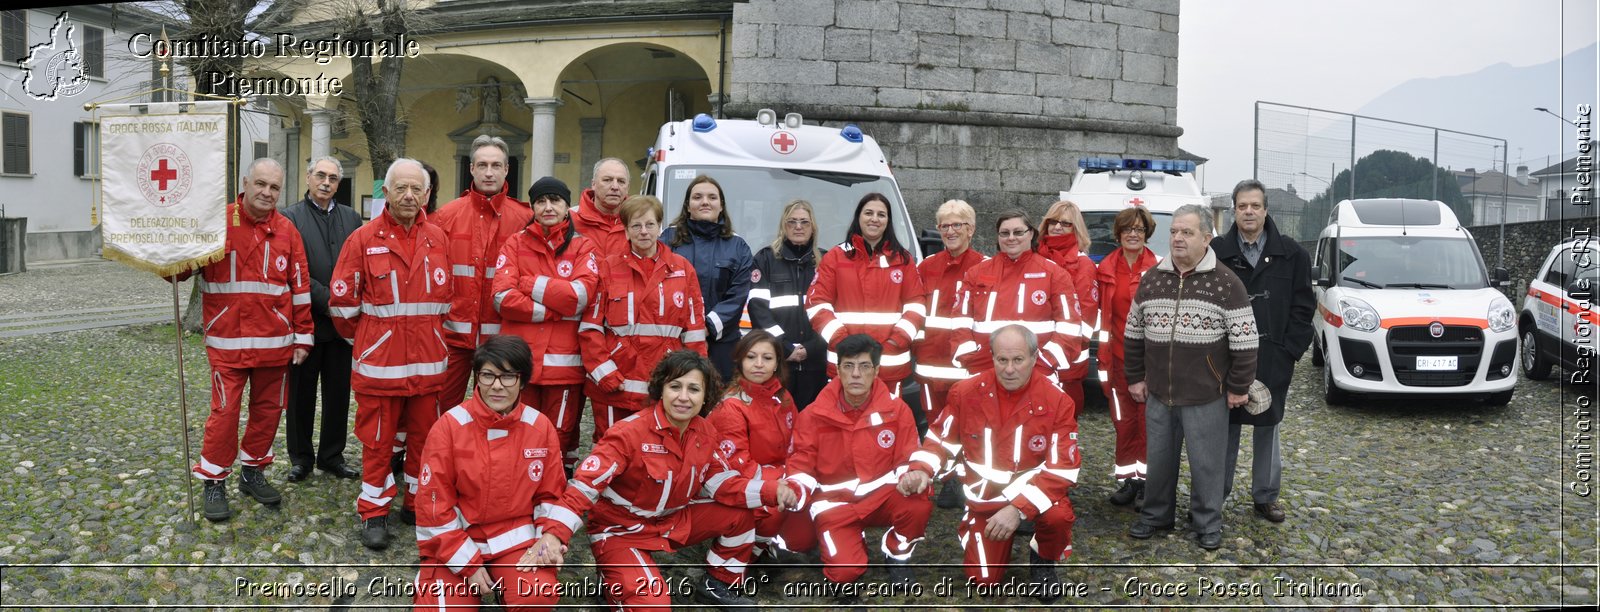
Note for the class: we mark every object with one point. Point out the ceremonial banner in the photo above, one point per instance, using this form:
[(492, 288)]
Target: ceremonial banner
[(164, 184)]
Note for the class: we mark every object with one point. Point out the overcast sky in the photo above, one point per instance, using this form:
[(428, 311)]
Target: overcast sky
[(1341, 55)]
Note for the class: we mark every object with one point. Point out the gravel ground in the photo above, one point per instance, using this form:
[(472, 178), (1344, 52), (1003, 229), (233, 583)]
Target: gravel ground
[(1391, 503)]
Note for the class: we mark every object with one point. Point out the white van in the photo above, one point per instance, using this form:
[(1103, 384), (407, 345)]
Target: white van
[(1106, 186), (1405, 306), (1558, 314), (764, 164)]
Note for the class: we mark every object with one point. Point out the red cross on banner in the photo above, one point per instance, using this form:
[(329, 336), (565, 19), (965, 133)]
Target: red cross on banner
[(162, 174)]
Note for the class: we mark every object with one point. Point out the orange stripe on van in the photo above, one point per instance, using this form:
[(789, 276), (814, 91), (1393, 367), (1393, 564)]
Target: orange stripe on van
[(1467, 321)]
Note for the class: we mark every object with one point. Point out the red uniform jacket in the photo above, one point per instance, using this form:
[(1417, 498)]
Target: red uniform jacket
[(880, 295), (641, 474), (1063, 251), (1017, 448), (257, 306), (541, 296), (755, 428), (644, 308), (485, 477), (477, 226), (1118, 284), (605, 230), (1028, 290), (941, 280), (842, 456), (390, 291)]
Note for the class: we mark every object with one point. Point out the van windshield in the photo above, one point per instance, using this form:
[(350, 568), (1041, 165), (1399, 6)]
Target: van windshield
[(1101, 241), (1383, 262), (756, 197)]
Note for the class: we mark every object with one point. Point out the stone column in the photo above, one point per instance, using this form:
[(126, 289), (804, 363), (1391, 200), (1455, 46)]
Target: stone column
[(542, 150), (321, 132)]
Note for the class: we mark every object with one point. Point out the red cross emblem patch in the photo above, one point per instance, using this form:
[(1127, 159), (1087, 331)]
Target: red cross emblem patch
[(536, 471), (1038, 297), (340, 288), (500, 263), (677, 299), (438, 276), (427, 474), (755, 275), (886, 438), (896, 275), (591, 464), (1036, 443), (564, 268), (726, 447), (282, 263), (784, 143)]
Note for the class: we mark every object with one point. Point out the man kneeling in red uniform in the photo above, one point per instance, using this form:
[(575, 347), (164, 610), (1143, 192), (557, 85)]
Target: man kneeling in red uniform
[(850, 448), (1016, 434)]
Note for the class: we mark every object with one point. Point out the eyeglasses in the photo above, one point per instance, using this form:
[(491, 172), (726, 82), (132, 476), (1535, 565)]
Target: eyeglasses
[(1133, 230), (323, 177), (644, 227), (953, 227), (1053, 222), (798, 223), (487, 378), (1022, 233), (853, 367), (417, 190)]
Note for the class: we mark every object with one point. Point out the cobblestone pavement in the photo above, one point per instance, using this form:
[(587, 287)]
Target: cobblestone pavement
[(1390, 503)]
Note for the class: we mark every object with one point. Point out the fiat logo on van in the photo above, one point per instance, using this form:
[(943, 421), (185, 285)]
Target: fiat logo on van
[(1436, 330)]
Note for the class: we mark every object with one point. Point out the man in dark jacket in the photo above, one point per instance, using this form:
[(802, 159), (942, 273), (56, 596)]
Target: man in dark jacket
[(324, 224), (1277, 273)]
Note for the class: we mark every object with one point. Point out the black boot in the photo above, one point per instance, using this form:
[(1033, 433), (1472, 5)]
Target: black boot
[(900, 572), (950, 494), (1043, 573), (254, 483), (715, 592), (216, 501), (1131, 489), (375, 533)]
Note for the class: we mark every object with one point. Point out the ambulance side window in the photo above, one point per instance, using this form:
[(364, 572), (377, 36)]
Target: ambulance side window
[(1560, 269), (649, 184)]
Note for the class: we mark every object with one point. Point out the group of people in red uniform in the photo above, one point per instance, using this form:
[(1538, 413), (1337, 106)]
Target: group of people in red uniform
[(537, 307)]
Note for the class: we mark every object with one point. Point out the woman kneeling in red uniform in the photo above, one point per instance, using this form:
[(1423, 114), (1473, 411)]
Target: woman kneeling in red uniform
[(639, 484), (490, 468)]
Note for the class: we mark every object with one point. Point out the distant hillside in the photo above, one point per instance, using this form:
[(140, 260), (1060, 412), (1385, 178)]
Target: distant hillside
[(1498, 101)]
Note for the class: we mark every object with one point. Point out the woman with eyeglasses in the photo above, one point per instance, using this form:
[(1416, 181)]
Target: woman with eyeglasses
[(543, 280), (941, 279), (647, 305), (1118, 280), (1021, 287), (490, 466), (703, 234), (1066, 243), (755, 428), (782, 275), (869, 285), (659, 483)]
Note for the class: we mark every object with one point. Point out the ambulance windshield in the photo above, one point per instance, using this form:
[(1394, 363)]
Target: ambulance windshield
[(1102, 242), (1409, 262), (756, 197)]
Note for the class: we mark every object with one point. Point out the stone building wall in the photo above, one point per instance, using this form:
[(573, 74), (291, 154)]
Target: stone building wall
[(992, 101)]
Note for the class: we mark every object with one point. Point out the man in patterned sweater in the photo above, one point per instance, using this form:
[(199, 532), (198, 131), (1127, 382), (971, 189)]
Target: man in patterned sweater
[(1189, 312)]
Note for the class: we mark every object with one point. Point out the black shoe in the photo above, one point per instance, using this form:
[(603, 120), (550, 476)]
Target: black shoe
[(407, 516), (397, 463), (780, 557), (216, 502), (1043, 573), (1270, 511), (298, 472), (715, 592), (901, 572), (1144, 531), (342, 470), (1211, 541), (1132, 488), (375, 533), (254, 483), (950, 494)]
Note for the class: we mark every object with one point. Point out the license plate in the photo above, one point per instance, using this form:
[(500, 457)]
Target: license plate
[(1436, 363)]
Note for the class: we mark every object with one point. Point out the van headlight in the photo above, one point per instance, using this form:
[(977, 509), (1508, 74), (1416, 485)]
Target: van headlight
[(1358, 314), (1501, 315)]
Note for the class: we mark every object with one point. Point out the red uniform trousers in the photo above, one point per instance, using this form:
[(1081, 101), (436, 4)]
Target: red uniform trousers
[(456, 373), (933, 398), (438, 589), (378, 418), (795, 531), (564, 405), (986, 560), (1073, 388), (841, 530), (606, 415), (220, 445), (1127, 416), (632, 579)]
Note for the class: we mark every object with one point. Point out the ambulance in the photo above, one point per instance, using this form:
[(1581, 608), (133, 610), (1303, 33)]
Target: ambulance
[(1106, 186), (1406, 307), (764, 164), (1558, 314)]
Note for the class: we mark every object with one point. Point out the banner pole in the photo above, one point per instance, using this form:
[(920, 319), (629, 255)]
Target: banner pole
[(183, 402)]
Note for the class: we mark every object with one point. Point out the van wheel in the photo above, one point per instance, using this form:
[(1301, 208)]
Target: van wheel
[(1316, 353), (1498, 399), (1331, 393), (1534, 364)]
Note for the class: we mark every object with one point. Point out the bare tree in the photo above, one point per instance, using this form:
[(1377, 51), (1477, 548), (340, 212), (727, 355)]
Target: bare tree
[(377, 89)]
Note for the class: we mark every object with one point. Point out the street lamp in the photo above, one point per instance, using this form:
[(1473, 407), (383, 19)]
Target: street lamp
[(1548, 112)]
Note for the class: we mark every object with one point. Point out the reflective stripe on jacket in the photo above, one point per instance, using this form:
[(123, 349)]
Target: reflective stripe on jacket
[(541, 296), (390, 292), (476, 226), (257, 306)]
